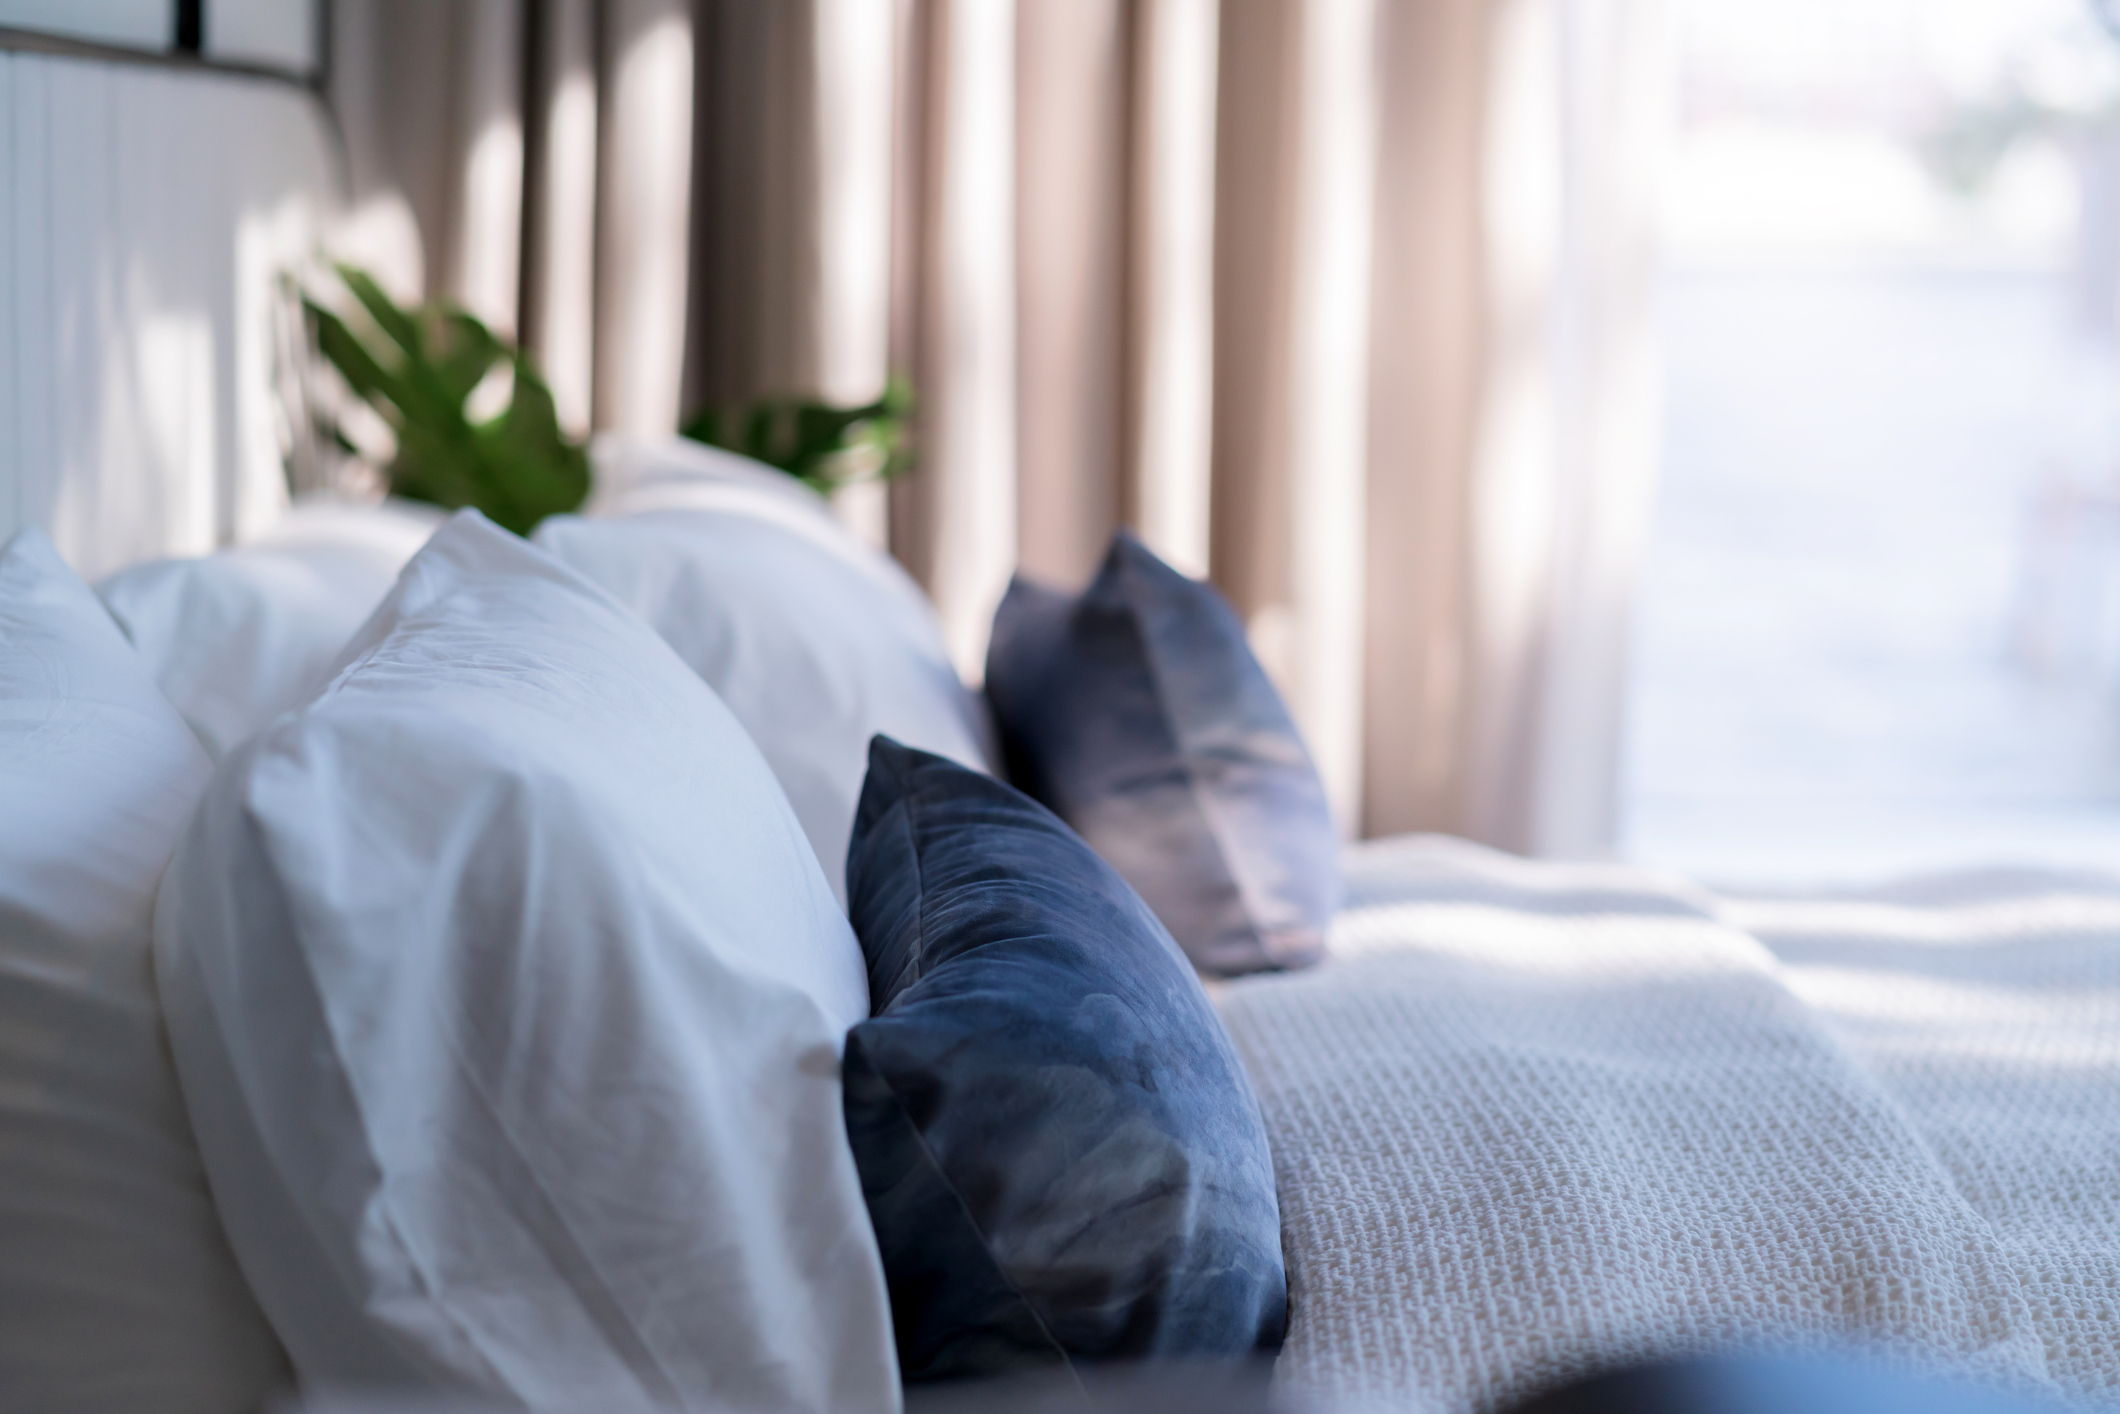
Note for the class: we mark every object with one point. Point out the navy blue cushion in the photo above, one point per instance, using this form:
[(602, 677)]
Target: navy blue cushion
[(1137, 712), (1061, 1154)]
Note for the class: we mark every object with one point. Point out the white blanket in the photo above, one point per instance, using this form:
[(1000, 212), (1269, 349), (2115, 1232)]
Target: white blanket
[(1990, 1008), (1534, 1121)]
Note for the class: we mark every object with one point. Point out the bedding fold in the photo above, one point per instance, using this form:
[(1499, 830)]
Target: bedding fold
[(1536, 1121), (1989, 1006)]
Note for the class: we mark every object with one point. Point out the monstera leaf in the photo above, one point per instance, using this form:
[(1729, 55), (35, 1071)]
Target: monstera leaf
[(418, 369), (819, 444)]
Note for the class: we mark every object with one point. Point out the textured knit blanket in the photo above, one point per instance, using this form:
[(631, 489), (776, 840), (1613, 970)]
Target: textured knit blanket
[(1532, 1121)]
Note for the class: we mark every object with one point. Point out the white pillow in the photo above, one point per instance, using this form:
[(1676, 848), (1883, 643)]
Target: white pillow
[(816, 641), (676, 473), (236, 638), (117, 1286), (508, 1001)]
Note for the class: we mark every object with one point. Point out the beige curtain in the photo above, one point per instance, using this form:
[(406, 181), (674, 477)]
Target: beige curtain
[(1345, 303), (1513, 412)]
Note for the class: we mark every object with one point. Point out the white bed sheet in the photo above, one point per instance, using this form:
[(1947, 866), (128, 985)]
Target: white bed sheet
[(1537, 1120)]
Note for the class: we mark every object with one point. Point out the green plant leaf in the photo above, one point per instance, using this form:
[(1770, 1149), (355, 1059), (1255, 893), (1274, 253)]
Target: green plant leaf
[(417, 372), (347, 354), (463, 352), (397, 326), (550, 475), (815, 442)]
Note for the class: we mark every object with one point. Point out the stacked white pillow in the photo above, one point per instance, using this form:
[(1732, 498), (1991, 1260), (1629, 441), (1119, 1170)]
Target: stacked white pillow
[(508, 998), (235, 638), (815, 641), (117, 1286)]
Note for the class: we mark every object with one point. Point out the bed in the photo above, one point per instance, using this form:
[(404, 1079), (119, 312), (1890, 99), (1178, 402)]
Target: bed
[(1536, 1119), (1529, 1121)]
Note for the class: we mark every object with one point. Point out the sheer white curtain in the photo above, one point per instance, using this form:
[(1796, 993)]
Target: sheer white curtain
[(1343, 302), (1513, 410)]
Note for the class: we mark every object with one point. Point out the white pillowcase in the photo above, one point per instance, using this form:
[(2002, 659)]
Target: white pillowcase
[(816, 641), (508, 1001), (117, 1286), (238, 637)]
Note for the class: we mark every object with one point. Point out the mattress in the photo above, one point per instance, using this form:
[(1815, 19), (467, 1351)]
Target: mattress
[(1532, 1121)]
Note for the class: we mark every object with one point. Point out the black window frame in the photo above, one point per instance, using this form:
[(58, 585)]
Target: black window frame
[(185, 48)]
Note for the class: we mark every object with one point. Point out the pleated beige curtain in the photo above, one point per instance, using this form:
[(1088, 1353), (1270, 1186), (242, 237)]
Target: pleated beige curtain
[(1513, 411), (534, 162), (1345, 303)]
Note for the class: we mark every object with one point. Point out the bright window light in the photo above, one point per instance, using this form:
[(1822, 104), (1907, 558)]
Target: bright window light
[(1879, 621)]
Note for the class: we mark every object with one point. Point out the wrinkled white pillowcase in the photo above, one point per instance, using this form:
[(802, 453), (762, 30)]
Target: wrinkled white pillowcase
[(235, 638), (816, 641), (117, 1286), (508, 1001)]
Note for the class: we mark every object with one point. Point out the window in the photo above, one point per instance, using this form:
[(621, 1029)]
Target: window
[(281, 35), (1879, 620)]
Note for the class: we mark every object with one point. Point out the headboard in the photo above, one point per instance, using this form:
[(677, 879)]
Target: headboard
[(147, 212)]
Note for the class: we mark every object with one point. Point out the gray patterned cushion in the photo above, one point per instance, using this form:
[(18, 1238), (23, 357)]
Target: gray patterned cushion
[(1061, 1154), (1139, 715)]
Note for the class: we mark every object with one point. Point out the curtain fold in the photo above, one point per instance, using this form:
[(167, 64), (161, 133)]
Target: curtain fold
[(559, 206), (644, 215), (953, 521), (1072, 141), (1345, 303), (1428, 346), (1295, 190), (1513, 412), (1167, 395)]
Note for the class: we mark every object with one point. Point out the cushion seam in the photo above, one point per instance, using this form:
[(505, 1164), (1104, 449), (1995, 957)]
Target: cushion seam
[(915, 966), (1217, 828), (934, 1165)]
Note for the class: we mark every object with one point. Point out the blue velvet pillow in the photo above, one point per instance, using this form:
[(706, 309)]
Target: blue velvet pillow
[(1061, 1154), (1139, 715)]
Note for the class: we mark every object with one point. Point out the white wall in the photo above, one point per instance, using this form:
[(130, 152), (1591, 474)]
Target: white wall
[(146, 215)]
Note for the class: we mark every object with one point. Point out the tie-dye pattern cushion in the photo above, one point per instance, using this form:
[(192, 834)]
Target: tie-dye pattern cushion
[(1139, 715), (1061, 1154)]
